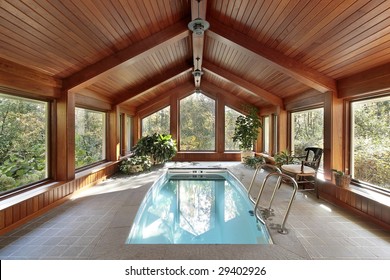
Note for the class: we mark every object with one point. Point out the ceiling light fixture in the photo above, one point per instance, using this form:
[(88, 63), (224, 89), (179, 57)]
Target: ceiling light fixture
[(197, 73), (198, 25)]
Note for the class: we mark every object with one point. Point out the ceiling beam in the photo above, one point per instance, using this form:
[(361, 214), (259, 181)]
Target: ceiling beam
[(198, 10), (243, 84), (283, 63), (127, 56), (156, 81)]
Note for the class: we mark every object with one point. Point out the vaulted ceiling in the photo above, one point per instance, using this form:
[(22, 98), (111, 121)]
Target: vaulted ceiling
[(130, 52)]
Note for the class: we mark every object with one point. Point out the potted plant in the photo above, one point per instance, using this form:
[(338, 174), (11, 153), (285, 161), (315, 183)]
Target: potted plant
[(281, 158), (135, 164), (160, 147), (341, 179), (246, 131)]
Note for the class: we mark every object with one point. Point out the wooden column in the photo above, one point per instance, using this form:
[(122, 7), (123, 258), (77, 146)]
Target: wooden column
[(282, 130), (65, 140), (113, 144), (333, 133)]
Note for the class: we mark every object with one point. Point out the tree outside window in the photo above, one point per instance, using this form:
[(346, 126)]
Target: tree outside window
[(230, 121), (158, 122), (371, 141), (23, 141), (197, 123), (307, 130), (89, 137)]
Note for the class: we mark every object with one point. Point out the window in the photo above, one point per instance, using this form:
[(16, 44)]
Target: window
[(230, 120), (90, 137), (266, 135), (197, 123), (307, 130), (23, 141), (371, 141), (158, 122)]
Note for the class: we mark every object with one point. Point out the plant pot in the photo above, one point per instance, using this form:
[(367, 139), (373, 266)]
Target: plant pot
[(342, 180), (245, 154)]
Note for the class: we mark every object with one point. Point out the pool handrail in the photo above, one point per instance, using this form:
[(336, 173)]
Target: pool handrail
[(280, 176)]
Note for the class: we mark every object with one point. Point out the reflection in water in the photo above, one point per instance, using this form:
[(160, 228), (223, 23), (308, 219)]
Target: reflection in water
[(197, 211)]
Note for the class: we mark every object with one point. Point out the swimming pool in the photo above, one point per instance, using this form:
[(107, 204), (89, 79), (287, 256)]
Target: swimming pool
[(197, 206)]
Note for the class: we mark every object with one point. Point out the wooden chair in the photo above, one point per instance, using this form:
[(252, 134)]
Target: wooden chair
[(305, 172)]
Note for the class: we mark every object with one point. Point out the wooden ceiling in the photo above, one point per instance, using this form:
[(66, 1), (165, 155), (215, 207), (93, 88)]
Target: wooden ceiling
[(130, 52)]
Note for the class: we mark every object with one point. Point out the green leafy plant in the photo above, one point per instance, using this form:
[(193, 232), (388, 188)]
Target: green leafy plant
[(283, 157), (160, 147), (341, 179), (254, 162), (246, 129), (135, 164)]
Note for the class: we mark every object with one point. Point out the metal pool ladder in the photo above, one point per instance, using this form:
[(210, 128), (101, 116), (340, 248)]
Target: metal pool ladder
[(279, 176)]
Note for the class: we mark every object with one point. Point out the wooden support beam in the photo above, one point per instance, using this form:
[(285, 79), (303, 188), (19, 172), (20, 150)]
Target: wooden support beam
[(198, 10), (366, 83), (127, 56), (283, 63), (65, 140), (245, 85), (333, 134), (20, 78)]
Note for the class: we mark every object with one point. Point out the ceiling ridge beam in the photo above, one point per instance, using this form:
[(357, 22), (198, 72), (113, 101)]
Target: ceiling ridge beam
[(244, 84), (156, 81), (127, 56), (283, 63)]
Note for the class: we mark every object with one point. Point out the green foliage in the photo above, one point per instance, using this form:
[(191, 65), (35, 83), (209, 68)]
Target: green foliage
[(158, 122), (230, 118), (89, 137), (22, 141), (308, 127), (135, 164), (160, 147), (283, 157), (197, 123), (246, 129), (254, 162)]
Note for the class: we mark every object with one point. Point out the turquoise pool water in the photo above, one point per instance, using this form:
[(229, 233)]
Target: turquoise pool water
[(197, 206)]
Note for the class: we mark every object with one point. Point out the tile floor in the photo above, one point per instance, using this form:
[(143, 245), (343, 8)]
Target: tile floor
[(95, 223)]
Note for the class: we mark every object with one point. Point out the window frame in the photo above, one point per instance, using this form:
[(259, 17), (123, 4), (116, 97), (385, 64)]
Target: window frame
[(215, 122), (105, 139), (49, 128), (349, 145)]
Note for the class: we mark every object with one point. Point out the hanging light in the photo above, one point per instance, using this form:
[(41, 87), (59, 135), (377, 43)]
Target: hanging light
[(197, 73), (198, 25)]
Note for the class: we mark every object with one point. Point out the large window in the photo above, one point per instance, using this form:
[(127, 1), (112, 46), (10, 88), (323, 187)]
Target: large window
[(230, 121), (307, 130), (158, 122), (371, 141), (23, 141), (90, 137), (197, 123)]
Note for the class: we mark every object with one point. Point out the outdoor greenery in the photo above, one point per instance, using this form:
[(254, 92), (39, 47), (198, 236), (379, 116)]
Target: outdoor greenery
[(307, 130), (371, 142), (24, 137), (158, 122), (197, 123), (23, 142), (231, 116), (89, 137)]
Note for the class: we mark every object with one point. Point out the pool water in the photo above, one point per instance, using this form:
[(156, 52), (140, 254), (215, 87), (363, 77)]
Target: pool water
[(197, 207)]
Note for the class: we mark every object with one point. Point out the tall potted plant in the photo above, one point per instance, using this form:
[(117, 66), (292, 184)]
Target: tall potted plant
[(246, 131)]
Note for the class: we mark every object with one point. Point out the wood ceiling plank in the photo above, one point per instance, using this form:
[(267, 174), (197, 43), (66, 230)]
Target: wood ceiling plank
[(269, 97), (278, 60), (129, 55), (166, 77)]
